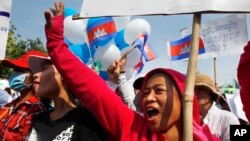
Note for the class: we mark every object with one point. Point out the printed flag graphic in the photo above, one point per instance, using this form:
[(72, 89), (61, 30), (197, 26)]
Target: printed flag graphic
[(100, 31), (180, 49)]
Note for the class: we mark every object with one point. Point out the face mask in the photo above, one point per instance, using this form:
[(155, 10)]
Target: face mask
[(16, 81)]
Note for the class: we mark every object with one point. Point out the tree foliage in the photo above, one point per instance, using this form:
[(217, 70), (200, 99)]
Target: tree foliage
[(16, 46)]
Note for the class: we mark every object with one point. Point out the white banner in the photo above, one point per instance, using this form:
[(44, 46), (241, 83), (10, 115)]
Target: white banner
[(93, 8), (5, 7), (235, 104), (222, 37)]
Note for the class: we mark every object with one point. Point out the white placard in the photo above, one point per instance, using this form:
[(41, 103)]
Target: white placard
[(235, 104), (5, 7), (97, 8), (223, 37)]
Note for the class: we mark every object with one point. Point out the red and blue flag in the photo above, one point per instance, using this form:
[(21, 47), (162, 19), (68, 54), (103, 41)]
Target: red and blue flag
[(180, 49), (144, 47), (148, 52), (138, 68), (100, 31)]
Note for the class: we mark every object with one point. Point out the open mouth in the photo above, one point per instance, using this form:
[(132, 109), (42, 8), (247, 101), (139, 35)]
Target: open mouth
[(152, 112), (35, 82)]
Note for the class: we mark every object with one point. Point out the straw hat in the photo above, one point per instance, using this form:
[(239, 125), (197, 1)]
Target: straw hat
[(205, 80)]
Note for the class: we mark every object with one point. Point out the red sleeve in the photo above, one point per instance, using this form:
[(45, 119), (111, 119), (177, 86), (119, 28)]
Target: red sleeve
[(243, 74), (86, 84)]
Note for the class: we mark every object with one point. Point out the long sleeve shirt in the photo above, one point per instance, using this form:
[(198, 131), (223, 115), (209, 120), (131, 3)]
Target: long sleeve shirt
[(219, 122)]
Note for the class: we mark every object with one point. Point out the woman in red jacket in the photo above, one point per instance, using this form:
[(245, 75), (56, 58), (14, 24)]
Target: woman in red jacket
[(161, 101)]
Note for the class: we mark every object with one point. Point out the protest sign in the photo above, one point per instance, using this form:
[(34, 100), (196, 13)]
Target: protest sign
[(96, 8), (5, 7), (223, 37)]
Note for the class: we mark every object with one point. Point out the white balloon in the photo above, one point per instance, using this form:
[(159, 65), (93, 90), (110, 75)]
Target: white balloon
[(121, 22), (74, 30), (133, 57), (129, 72), (134, 28), (107, 55)]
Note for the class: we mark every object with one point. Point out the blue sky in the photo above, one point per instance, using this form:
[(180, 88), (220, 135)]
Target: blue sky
[(28, 18)]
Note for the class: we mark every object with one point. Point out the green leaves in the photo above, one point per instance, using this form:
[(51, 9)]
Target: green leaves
[(16, 46)]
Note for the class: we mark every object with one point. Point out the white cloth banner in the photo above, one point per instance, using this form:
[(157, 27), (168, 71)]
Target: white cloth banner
[(223, 37), (5, 7), (235, 104), (93, 8)]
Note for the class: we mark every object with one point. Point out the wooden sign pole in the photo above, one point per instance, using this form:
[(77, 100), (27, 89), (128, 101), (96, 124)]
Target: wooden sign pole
[(189, 89)]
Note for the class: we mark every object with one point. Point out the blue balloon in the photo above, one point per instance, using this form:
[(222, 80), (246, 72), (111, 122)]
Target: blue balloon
[(69, 11), (82, 51), (119, 40), (104, 75)]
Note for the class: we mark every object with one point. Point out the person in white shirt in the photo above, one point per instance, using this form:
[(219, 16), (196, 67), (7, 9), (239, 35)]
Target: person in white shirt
[(5, 98), (218, 120), (129, 92)]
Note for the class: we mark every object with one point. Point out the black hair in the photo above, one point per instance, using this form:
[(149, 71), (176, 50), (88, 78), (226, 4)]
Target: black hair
[(47, 104), (214, 97), (138, 83)]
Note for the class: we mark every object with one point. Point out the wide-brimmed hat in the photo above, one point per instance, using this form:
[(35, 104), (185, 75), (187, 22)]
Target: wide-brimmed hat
[(36, 63), (205, 80), (21, 62)]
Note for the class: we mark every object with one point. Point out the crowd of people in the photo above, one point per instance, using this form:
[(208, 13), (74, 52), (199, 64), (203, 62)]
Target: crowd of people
[(56, 101)]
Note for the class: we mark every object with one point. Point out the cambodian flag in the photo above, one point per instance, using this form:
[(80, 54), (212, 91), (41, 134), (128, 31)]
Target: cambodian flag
[(100, 31), (144, 47), (138, 68), (148, 52), (140, 41), (180, 49)]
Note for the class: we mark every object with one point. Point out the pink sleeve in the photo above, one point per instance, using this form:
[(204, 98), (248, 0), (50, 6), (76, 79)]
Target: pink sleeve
[(244, 79), (86, 84), (203, 133)]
